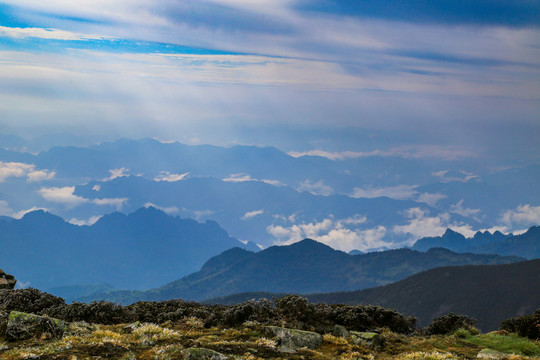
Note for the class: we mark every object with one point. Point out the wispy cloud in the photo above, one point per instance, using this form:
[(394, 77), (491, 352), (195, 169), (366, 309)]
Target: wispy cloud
[(399, 192), (251, 214), (315, 187), (5, 210), (45, 33), (170, 210), (407, 152), (166, 176)]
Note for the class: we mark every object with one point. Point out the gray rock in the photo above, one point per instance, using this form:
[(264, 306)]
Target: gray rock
[(369, 339), (7, 281), (340, 331), (292, 338), (202, 354), (489, 354), (22, 326)]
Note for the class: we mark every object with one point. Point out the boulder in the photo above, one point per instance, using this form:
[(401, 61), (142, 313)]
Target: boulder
[(22, 326), (369, 339), (7, 281), (202, 354), (292, 338), (340, 331)]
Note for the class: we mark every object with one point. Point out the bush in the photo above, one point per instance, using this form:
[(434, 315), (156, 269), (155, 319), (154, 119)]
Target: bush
[(31, 301), (525, 326), (368, 317), (450, 323)]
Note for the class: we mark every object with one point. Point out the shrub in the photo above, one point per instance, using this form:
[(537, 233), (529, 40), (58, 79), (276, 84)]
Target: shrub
[(449, 323), (525, 326), (31, 301)]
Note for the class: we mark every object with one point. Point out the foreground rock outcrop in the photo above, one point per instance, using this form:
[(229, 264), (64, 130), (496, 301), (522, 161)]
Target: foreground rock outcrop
[(7, 281)]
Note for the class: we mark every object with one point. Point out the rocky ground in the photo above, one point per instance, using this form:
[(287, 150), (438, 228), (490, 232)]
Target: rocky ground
[(288, 328)]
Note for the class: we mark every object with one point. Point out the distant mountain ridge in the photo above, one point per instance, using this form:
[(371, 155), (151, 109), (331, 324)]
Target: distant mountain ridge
[(526, 245), (304, 267), (141, 250), (488, 293)]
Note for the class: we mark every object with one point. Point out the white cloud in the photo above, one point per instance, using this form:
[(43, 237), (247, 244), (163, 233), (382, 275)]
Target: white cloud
[(341, 234), (14, 169), (166, 176), (430, 199), (316, 188), (251, 214), (63, 195), (239, 178), (116, 173), (451, 176), (116, 202), (409, 151), (170, 210), (5, 210), (45, 33), (342, 155), (399, 192), (467, 212), (421, 224), (96, 187), (91, 221), (40, 175), (523, 215)]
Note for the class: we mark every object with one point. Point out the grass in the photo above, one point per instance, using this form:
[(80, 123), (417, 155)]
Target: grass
[(509, 343)]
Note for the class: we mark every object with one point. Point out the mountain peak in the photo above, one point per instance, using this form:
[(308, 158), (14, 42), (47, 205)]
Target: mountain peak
[(449, 233)]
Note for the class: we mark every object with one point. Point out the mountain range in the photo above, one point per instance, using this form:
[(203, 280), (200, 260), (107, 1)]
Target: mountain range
[(144, 249), (265, 195), (526, 245), (304, 267)]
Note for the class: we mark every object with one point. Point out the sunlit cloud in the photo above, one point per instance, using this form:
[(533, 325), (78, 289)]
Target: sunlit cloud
[(14, 169)]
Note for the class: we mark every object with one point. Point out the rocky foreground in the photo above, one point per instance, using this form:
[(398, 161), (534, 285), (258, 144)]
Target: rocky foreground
[(36, 325)]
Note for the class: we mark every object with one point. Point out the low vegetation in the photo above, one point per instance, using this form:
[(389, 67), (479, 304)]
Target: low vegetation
[(251, 330)]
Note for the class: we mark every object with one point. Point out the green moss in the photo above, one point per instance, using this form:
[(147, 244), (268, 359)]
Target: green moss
[(509, 344)]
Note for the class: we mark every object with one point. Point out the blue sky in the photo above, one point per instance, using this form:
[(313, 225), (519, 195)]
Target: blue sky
[(302, 75)]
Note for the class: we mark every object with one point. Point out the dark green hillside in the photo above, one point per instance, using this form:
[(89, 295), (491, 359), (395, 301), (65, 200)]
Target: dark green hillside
[(488, 293), (304, 267)]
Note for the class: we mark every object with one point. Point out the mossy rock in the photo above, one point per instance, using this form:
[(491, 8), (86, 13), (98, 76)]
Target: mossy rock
[(370, 339), (292, 338), (22, 326), (202, 354)]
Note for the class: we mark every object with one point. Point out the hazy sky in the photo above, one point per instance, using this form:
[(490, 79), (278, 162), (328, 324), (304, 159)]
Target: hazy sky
[(299, 74)]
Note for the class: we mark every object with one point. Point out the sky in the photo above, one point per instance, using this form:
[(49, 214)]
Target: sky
[(301, 75)]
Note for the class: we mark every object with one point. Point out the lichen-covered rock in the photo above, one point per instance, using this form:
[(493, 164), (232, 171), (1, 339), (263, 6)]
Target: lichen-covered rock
[(292, 338), (369, 339), (7, 281), (489, 354), (202, 354), (340, 331), (22, 326)]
